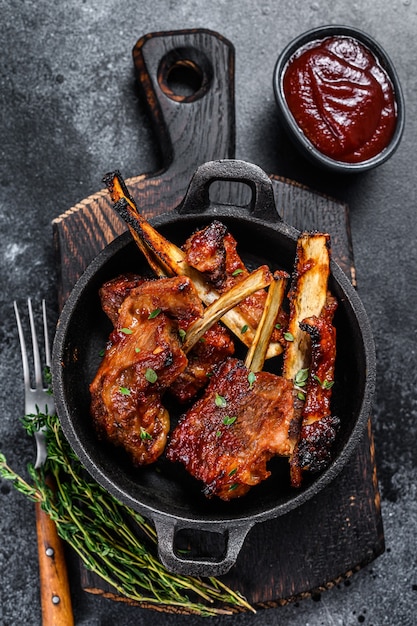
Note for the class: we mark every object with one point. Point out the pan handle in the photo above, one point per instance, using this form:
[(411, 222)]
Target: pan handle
[(166, 531), (262, 202)]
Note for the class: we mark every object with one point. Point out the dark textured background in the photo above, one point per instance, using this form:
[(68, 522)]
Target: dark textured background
[(70, 112)]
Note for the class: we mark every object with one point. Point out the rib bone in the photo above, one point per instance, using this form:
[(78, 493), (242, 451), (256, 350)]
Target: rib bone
[(258, 279)]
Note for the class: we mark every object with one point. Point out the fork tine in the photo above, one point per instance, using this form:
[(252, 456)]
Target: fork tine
[(23, 350), (35, 347), (46, 335)]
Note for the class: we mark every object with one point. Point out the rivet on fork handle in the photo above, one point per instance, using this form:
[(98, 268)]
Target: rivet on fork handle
[(55, 596)]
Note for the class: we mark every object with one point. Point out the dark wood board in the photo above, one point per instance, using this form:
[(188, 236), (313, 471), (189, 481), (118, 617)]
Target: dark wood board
[(340, 530)]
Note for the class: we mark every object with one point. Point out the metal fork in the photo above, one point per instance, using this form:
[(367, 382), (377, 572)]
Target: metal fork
[(54, 585), (36, 398)]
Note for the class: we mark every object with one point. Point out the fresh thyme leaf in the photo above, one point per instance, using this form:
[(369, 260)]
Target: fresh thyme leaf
[(220, 401), (251, 379), (182, 334), (126, 331), (277, 326), (154, 313), (218, 433), (144, 434), (151, 376), (325, 384), (125, 391), (301, 395), (228, 421), (244, 329), (237, 272), (137, 350), (233, 471), (288, 336), (233, 486), (301, 377)]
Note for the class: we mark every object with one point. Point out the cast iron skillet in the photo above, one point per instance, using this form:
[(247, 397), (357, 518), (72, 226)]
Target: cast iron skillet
[(166, 494)]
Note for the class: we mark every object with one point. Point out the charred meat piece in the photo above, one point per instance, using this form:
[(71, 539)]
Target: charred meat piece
[(143, 357), (214, 346), (206, 252), (213, 252), (113, 292), (229, 435), (244, 418), (319, 427), (308, 297)]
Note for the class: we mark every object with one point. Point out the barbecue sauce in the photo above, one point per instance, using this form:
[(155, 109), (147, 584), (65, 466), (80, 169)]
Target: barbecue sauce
[(341, 98)]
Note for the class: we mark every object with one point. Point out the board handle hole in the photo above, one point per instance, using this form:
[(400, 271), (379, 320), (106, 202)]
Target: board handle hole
[(185, 74)]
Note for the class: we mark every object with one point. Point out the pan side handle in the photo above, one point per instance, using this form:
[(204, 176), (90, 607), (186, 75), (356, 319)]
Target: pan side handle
[(166, 530), (262, 201)]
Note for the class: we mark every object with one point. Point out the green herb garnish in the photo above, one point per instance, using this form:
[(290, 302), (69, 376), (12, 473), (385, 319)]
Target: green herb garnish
[(237, 272), (220, 401), (325, 384), (144, 434), (125, 391), (228, 421), (151, 376), (288, 336), (126, 331), (182, 334), (154, 313), (301, 377), (244, 329), (251, 379)]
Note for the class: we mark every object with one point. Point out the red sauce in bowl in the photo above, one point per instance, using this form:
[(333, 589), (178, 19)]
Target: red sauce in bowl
[(341, 98)]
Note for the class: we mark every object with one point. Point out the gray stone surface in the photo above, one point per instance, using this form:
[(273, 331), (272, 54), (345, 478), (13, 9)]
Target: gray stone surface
[(69, 113)]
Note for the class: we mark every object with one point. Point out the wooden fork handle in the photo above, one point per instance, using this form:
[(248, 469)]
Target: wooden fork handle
[(55, 591)]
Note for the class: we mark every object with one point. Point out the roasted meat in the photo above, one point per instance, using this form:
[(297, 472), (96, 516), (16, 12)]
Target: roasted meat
[(215, 345), (213, 252), (143, 357), (244, 418), (318, 426), (311, 307), (227, 437), (113, 292)]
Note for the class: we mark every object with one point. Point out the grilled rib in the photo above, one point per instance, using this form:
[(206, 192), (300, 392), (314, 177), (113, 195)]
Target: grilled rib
[(243, 419)]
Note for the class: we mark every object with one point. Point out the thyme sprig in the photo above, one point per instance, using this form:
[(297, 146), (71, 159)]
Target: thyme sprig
[(111, 539)]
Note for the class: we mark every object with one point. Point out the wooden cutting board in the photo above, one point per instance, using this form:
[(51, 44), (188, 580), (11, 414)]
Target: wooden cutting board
[(187, 80)]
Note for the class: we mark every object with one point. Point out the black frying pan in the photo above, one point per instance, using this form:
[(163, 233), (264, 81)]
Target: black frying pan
[(166, 494)]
